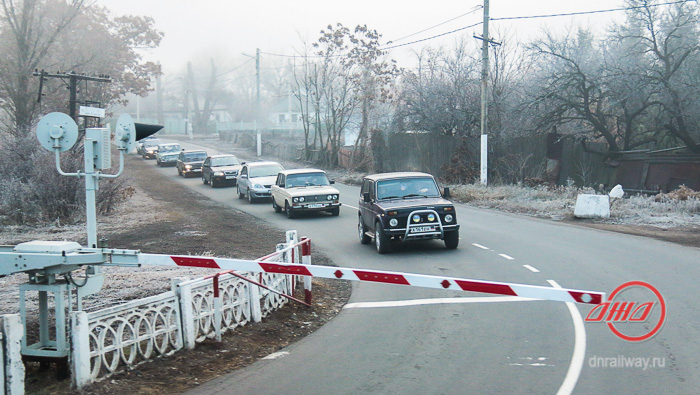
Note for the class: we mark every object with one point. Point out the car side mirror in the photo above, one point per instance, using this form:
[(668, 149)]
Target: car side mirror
[(365, 197), (332, 182), (244, 176), (446, 193)]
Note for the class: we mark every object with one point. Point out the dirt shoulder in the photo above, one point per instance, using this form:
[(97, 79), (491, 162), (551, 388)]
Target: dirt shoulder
[(187, 223)]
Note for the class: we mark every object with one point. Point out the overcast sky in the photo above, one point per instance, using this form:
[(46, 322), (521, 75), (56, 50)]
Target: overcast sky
[(206, 28)]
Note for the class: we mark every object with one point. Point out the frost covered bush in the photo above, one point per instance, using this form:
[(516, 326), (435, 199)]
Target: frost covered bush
[(32, 191)]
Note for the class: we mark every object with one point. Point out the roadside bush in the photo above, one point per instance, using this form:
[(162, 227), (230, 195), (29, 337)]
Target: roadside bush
[(32, 191)]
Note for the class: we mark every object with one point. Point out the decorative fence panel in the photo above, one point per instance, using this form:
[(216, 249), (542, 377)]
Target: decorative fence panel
[(121, 337), (132, 333)]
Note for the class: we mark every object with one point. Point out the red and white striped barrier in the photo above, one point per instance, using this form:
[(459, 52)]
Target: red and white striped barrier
[(398, 278)]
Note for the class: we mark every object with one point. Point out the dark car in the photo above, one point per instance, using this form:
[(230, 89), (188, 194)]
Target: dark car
[(221, 169), (397, 207), (190, 162), (149, 150)]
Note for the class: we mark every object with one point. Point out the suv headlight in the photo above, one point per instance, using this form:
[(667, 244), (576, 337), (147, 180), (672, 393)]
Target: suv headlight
[(393, 222), (449, 218), (188, 167), (258, 186), (219, 173)]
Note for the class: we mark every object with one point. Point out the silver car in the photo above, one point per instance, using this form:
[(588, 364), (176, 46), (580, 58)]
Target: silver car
[(256, 179)]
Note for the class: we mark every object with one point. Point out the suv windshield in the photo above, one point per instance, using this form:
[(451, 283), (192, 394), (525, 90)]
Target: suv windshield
[(265, 170), (225, 161), (406, 188), (195, 157), (306, 180)]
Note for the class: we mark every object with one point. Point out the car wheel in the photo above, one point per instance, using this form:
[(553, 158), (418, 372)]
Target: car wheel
[(240, 195), (204, 180), (277, 208), (381, 240), (452, 239), (288, 210), (364, 239), (250, 196), (335, 212)]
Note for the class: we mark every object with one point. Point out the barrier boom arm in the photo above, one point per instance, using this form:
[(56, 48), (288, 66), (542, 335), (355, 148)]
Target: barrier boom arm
[(398, 278)]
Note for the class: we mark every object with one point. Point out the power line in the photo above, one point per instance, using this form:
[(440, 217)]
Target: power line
[(432, 37), (476, 8), (590, 12)]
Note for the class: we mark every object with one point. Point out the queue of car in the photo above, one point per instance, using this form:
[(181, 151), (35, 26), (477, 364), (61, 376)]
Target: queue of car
[(393, 207)]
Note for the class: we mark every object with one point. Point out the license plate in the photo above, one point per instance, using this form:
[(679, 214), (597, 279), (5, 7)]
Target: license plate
[(422, 229), (230, 177), (316, 205)]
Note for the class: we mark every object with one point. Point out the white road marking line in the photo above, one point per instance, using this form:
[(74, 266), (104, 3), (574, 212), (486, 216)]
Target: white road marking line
[(510, 258), (276, 355), (567, 387), (530, 268), (480, 246), (423, 302), (353, 207)]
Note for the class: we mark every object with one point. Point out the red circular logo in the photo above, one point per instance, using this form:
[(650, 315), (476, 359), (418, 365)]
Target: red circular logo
[(662, 316)]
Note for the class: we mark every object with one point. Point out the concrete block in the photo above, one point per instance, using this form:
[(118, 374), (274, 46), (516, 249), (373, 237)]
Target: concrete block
[(592, 206)]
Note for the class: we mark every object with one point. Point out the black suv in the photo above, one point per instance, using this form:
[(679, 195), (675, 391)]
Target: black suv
[(397, 207)]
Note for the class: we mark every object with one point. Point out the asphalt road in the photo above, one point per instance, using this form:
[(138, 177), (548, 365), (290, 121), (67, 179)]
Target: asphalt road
[(445, 342)]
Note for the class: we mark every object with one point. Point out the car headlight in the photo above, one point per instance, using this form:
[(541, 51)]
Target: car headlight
[(301, 199), (258, 186), (219, 173), (335, 197), (394, 222), (431, 217), (416, 218), (298, 199), (188, 167), (329, 197), (449, 218)]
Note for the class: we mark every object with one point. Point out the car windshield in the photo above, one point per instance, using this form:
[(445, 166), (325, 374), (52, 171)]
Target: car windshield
[(225, 161), (306, 180), (152, 143), (406, 188), (169, 148), (265, 170), (195, 157)]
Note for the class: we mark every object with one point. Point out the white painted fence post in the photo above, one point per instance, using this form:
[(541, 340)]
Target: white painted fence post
[(292, 257), (189, 332), (217, 309), (80, 349), (174, 286), (255, 309), (12, 334)]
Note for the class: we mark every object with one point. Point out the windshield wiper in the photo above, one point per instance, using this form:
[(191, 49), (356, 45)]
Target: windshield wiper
[(389, 197), (410, 195)]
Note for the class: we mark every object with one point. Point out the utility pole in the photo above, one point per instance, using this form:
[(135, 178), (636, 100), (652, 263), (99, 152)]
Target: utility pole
[(258, 139), (73, 80), (484, 95)]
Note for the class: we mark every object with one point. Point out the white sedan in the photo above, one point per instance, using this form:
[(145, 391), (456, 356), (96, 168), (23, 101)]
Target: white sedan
[(301, 190)]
